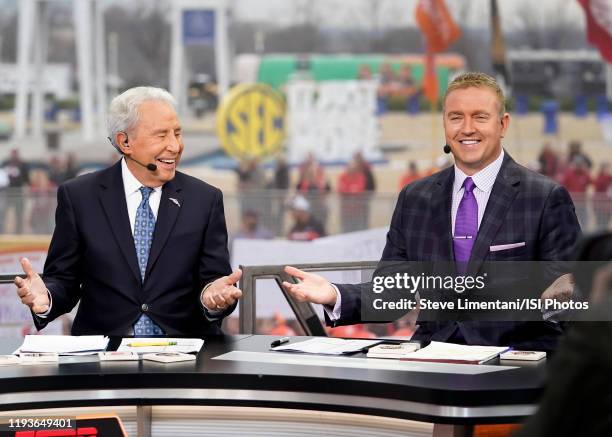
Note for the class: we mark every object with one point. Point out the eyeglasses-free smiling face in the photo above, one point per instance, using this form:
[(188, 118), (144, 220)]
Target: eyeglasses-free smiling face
[(156, 139), (474, 127)]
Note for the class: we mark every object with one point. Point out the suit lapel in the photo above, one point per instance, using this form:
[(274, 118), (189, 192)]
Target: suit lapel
[(502, 195), (112, 197), (169, 208), (441, 212)]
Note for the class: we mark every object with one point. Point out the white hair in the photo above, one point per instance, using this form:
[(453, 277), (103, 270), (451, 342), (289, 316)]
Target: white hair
[(123, 110)]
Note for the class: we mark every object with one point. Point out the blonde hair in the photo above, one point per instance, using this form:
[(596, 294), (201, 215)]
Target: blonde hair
[(476, 79)]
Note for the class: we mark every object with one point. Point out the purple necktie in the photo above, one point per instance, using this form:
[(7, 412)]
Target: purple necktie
[(466, 226)]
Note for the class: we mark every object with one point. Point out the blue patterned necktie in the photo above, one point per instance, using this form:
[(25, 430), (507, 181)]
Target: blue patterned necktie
[(144, 225), (466, 226)]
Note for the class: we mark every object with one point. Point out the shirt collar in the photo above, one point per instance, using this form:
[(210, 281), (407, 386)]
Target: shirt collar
[(130, 183), (483, 179)]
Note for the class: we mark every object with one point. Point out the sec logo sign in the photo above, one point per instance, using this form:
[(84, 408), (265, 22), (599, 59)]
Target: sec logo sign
[(251, 121)]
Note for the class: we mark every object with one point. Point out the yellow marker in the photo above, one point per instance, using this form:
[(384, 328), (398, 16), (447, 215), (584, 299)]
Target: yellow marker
[(251, 121), (152, 343)]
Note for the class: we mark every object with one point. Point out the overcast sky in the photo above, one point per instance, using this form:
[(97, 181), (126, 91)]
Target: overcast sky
[(347, 13), (390, 13)]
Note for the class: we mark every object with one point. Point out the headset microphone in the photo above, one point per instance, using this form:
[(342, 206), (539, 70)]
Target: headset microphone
[(150, 167), (446, 149)]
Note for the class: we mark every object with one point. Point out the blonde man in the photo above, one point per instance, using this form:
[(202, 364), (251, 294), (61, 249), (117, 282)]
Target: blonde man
[(484, 208)]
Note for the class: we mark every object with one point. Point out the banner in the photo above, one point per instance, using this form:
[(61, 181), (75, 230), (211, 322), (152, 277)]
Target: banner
[(599, 25)]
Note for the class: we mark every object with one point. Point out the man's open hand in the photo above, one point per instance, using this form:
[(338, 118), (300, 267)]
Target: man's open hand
[(311, 288), (222, 293), (32, 289)]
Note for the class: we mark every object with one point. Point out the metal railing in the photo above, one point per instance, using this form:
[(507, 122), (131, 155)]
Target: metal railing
[(27, 212), (304, 312)]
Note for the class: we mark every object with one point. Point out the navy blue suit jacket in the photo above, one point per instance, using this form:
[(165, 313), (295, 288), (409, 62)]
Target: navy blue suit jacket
[(92, 260), (524, 206)]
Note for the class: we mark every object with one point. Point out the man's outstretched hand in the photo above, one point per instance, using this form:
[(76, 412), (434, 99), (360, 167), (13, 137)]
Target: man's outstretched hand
[(311, 288), (32, 289), (222, 293)]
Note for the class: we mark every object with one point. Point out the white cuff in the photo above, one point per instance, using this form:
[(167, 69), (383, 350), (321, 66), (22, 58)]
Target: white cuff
[(334, 313), (46, 313)]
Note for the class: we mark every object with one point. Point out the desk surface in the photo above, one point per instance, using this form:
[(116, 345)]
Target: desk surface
[(506, 395)]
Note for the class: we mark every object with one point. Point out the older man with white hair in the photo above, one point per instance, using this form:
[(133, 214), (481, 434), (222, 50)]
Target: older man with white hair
[(141, 246)]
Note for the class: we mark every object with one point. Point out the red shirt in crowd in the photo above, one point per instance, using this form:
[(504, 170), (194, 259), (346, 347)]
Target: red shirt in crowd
[(576, 180), (351, 183), (603, 182)]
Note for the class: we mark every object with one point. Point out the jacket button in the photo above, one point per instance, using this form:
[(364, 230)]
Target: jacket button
[(144, 307)]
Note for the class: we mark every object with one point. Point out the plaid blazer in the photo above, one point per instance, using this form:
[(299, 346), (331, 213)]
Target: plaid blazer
[(524, 206)]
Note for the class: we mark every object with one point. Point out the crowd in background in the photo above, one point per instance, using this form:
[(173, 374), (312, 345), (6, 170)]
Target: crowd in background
[(399, 86), (265, 201), (19, 181), (576, 172)]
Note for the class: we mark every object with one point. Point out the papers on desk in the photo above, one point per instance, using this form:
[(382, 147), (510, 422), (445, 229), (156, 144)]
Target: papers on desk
[(146, 345), (440, 352), (63, 344), (327, 346)]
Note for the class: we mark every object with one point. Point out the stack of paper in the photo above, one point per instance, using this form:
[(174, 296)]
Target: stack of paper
[(396, 351), (152, 345), (327, 346), (455, 353), (63, 344)]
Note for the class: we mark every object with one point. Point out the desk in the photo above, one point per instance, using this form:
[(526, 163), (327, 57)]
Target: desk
[(452, 401)]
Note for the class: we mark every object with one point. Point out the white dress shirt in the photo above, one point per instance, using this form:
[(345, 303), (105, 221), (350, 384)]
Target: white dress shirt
[(483, 181), (133, 196)]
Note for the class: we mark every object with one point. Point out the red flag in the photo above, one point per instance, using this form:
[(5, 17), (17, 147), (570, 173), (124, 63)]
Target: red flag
[(437, 25), (440, 31), (599, 25)]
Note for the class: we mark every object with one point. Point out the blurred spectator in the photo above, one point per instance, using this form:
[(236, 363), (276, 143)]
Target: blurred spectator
[(42, 194), (251, 228), (56, 172), (280, 185), (387, 81), (364, 72), (281, 174), (19, 178), (575, 153), (71, 169), (351, 187), (577, 179), (549, 161), (305, 227), (405, 86), (412, 174), (251, 184), (313, 185), (602, 204), (280, 328), (365, 167)]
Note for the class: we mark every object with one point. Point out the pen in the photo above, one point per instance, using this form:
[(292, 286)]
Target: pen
[(152, 343), (279, 341)]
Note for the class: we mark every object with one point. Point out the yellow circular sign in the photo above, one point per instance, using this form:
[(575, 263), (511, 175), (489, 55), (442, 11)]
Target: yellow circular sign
[(251, 121)]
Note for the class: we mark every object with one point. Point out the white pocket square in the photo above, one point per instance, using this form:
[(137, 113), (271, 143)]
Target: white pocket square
[(506, 246)]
